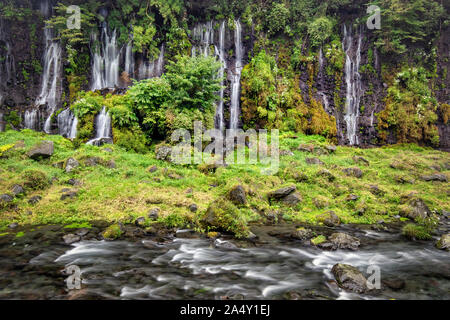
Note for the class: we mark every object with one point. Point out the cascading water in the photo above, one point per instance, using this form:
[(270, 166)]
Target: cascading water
[(31, 119), (152, 69), (220, 52), (67, 124), (129, 59), (106, 61), (51, 77), (203, 34), (236, 79), (102, 127), (353, 83)]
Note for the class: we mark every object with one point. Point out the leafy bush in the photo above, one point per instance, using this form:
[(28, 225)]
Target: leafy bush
[(35, 180), (319, 30), (277, 18)]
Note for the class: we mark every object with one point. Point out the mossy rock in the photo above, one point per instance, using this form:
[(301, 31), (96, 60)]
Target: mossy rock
[(113, 232), (318, 240), (222, 215)]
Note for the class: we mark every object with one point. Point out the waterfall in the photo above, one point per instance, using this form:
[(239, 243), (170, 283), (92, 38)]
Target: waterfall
[(353, 84), (102, 127), (106, 58), (129, 59), (67, 124), (203, 34), (220, 52), (51, 78), (236, 79), (154, 68), (31, 119), (320, 60)]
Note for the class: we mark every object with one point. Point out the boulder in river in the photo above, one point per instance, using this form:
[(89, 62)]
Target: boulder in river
[(342, 240), (303, 234), (444, 242), (71, 238), (349, 278), (43, 150)]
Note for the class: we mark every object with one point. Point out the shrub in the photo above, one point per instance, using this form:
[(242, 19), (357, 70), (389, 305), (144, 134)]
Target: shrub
[(414, 231), (35, 180)]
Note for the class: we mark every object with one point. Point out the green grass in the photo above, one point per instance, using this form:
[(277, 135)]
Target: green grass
[(129, 191)]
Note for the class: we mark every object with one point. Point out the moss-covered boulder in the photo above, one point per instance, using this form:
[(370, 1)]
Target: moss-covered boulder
[(329, 219), (222, 215), (113, 232), (349, 278), (444, 242)]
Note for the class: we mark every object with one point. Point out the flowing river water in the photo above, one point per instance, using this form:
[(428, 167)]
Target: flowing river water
[(199, 268)]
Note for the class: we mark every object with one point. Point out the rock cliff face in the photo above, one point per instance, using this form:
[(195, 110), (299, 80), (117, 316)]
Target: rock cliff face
[(32, 80)]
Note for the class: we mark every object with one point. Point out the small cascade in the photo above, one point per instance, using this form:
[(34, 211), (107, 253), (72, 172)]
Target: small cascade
[(353, 85), (31, 119), (236, 78), (203, 35), (220, 52), (67, 124), (106, 61), (320, 61), (102, 128), (51, 77), (129, 59), (152, 69)]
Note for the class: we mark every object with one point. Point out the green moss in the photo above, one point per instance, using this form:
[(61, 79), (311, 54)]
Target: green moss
[(318, 240), (76, 225), (113, 232), (20, 234)]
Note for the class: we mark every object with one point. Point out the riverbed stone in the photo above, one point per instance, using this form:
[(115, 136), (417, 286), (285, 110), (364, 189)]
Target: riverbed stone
[(71, 238), (349, 278), (303, 234), (237, 195), (342, 240), (42, 150), (71, 165), (444, 242)]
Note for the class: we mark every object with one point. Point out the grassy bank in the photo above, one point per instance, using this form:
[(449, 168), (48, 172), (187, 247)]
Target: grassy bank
[(118, 186)]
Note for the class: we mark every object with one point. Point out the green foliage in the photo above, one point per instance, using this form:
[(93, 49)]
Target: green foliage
[(407, 24), (320, 30), (35, 180), (113, 232), (277, 18), (318, 240), (89, 103), (410, 108), (414, 231)]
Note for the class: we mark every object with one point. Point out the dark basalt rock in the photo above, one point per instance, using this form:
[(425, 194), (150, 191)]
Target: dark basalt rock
[(314, 161), (69, 195), (153, 214), (329, 218), (342, 240), (71, 165), (435, 177), (281, 193), (417, 208), (193, 207), (349, 278), (292, 199), (43, 150), (34, 200), (444, 242), (353, 172), (237, 195), (71, 238), (17, 190)]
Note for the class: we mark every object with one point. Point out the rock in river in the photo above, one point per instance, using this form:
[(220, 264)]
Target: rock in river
[(342, 240), (349, 278), (444, 242)]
